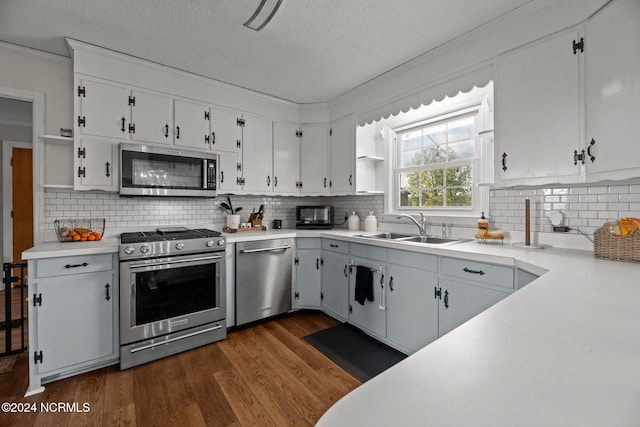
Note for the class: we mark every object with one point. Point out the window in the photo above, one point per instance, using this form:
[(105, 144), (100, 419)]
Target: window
[(437, 163)]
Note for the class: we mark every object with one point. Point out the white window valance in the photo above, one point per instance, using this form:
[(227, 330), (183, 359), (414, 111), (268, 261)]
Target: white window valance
[(425, 96)]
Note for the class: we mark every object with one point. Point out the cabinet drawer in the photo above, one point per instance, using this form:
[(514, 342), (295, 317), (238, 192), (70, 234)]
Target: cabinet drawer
[(308, 243), (478, 272), (335, 245), (413, 259), (50, 267), (369, 251)]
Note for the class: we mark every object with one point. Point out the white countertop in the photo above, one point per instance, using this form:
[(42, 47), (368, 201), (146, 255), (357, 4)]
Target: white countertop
[(562, 351)]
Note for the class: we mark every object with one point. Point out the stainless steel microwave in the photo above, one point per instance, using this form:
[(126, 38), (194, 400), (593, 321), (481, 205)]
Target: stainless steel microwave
[(314, 217), (149, 170)]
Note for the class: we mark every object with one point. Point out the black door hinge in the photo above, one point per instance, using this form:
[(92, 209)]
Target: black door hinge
[(82, 91), (82, 121), (578, 157), (578, 46), (298, 134), (350, 308), (37, 300), (82, 152), (240, 122), (132, 128), (331, 132), (37, 357), (297, 295), (237, 143), (321, 296), (207, 115), (296, 260), (82, 172), (239, 167), (207, 140), (437, 293), (132, 100)]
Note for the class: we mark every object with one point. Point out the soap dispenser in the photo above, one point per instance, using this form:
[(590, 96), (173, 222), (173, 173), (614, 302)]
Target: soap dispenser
[(370, 222), (353, 222)]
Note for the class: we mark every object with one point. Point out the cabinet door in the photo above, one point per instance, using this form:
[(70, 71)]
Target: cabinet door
[(460, 302), (335, 284), (612, 74), (151, 115), (257, 154), (342, 155), (104, 107), (538, 112), (75, 319), (313, 160), (308, 278), (412, 309), (230, 171), (286, 158), (372, 314), (95, 165), (226, 131), (191, 124)]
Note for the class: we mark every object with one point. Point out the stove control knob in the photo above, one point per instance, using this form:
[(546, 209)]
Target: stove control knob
[(220, 242), (209, 243), (145, 249), (179, 246), (129, 250)]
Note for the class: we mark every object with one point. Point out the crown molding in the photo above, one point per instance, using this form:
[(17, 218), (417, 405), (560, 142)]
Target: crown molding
[(34, 53)]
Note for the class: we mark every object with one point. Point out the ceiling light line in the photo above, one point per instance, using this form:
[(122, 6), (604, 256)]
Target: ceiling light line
[(257, 26)]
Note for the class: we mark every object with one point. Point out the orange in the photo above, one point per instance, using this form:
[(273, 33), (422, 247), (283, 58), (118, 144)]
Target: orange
[(76, 237)]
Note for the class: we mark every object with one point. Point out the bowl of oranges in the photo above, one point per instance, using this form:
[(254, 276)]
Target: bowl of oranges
[(79, 230)]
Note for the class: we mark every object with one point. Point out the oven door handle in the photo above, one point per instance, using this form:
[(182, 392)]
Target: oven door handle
[(275, 248), (175, 261)]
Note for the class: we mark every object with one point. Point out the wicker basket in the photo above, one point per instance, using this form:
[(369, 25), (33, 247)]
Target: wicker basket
[(87, 229), (619, 248)]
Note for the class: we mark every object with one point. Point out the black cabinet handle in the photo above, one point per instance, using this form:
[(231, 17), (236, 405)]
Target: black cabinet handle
[(333, 245), (84, 264), (177, 132), (504, 162), (317, 263), (382, 280), (446, 299), (221, 177), (325, 183), (350, 180), (122, 128), (345, 271), (107, 297), (268, 180), (391, 283), (591, 144), (213, 137), (466, 270), (107, 174), (275, 181), (166, 131)]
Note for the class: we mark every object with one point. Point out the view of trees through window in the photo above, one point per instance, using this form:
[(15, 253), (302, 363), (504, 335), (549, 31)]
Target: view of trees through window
[(435, 164)]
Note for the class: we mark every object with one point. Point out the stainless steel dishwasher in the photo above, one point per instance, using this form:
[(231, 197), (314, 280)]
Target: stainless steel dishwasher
[(263, 279)]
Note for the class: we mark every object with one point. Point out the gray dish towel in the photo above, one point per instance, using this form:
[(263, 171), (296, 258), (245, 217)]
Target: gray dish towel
[(364, 284)]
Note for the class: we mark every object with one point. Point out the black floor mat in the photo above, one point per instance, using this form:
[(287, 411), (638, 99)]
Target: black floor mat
[(354, 351)]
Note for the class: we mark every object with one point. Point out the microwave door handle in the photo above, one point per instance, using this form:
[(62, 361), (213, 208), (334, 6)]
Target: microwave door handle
[(151, 265), (205, 173)]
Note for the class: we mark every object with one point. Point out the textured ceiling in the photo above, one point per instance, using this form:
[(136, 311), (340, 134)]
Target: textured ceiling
[(312, 51)]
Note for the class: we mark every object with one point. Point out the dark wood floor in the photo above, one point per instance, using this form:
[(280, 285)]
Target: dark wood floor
[(261, 375)]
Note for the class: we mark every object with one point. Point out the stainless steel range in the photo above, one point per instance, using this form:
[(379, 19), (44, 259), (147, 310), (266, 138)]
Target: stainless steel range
[(172, 292)]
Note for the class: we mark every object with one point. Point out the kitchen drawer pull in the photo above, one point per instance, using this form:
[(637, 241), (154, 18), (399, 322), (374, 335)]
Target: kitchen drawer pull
[(84, 264), (163, 342), (268, 181), (446, 299), (221, 177), (333, 245), (591, 144), (107, 172), (275, 248), (345, 271), (106, 287), (177, 132), (166, 131), (176, 261), (504, 162), (391, 283), (480, 272), (122, 128)]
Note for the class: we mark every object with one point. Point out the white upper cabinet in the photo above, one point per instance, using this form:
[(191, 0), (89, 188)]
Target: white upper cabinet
[(102, 109), (230, 172), (191, 124), (538, 113), (612, 84), (257, 155), (151, 117), (286, 158), (313, 160), (341, 155), (226, 130), (95, 164)]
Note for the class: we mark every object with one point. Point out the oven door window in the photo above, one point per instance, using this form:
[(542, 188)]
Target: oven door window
[(151, 170), (167, 293)]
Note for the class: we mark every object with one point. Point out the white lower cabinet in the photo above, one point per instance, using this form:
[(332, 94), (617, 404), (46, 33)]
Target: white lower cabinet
[(335, 278), (412, 309), (370, 314), (308, 284), (73, 316)]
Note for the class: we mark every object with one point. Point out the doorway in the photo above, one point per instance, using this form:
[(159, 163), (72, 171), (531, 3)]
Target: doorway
[(21, 200)]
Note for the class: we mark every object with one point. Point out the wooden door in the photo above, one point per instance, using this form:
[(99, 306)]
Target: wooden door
[(22, 201)]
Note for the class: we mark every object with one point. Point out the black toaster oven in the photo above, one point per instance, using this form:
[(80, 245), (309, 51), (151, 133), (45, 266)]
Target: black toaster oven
[(314, 217)]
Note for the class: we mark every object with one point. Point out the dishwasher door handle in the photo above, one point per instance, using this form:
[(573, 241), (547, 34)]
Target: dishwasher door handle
[(275, 248)]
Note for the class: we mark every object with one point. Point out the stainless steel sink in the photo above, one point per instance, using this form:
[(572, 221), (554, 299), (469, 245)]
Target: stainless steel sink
[(413, 238), (387, 236)]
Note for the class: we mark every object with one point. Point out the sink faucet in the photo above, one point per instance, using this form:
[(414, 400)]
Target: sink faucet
[(421, 225)]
